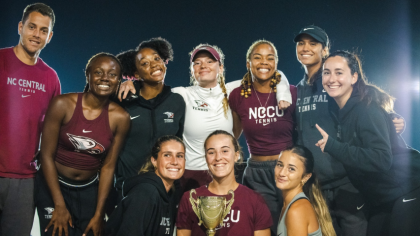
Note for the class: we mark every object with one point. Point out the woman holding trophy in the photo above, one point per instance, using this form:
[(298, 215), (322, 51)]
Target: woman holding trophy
[(244, 215)]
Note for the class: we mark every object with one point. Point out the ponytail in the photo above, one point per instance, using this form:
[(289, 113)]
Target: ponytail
[(313, 191)]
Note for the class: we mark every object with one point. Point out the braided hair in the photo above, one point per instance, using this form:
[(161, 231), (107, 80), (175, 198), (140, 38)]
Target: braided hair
[(247, 79), (220, 78)]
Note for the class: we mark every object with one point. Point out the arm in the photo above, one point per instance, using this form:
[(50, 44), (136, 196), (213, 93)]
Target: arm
[(122, 121), (134, 213), (237, 125), (297, 219), (183, 232), (283, 95), (55, 115), (374, 151), (181, 122), (127, 86), (264, 232)]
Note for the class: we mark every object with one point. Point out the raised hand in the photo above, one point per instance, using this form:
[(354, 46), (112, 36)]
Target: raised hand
[(321, 143)]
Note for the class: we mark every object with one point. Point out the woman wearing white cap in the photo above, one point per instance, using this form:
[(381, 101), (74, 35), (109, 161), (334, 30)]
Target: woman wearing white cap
[(207, 108)]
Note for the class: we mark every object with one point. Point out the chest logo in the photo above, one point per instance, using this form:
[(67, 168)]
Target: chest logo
[(170, 117), (201, 106), (85, 144)]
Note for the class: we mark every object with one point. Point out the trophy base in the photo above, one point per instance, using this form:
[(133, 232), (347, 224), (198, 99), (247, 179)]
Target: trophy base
[(210, 232)]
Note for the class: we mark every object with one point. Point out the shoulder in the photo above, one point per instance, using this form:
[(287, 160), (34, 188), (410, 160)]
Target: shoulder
[(253, 197), (236, 93), (65, 100), (118, 112), (176, 97), (48, 69), (299, 210)]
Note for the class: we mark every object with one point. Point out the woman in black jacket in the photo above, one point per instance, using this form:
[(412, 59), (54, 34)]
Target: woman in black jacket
[(377, 160), (154, 110), (147, 207)]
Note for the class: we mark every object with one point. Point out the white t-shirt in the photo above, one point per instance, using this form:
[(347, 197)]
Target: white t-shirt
[(204, 114)]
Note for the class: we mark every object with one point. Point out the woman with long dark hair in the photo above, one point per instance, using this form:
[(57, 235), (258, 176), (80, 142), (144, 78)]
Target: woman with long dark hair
[(304, 211), (82, 136), (147, 208), (377, 160)]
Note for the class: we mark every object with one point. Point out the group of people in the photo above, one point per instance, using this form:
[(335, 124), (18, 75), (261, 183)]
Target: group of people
[(326, 157)]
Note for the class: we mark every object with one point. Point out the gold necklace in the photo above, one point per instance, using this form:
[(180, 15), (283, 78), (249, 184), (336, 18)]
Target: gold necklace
[(256, 93)]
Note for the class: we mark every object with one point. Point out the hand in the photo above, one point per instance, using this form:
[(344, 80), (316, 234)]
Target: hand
[(399, 124), (321, 143), (125, 88), (60, 218), (95, 224), (283, 105)]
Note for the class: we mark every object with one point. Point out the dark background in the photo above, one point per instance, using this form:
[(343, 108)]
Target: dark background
[(385, 33)]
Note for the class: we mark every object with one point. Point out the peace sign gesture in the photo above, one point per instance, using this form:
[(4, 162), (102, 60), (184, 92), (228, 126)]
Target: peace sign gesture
[(321, 143)]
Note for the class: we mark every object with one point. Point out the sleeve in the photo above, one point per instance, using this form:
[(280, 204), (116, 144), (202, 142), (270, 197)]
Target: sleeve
[(132, 215), (233, 99), (182, 120), (181, 91), (262, 215), (184, 219), (233, 85), (283, 89), (57, 86), (374, 153)]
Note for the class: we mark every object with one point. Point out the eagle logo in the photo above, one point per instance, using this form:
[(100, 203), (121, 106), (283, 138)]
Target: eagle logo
[(86, 144), (201, 103), (49, 210), (169, 114)]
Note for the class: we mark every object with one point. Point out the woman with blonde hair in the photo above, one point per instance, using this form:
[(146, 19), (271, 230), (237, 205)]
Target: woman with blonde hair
[(304, 211)]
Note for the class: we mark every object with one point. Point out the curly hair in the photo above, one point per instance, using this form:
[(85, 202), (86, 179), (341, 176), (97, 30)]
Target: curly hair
[(160, 45)]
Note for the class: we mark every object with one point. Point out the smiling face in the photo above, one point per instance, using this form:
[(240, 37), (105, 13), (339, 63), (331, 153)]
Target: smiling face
[(35, 33), (150, 66), (221, 155), (309, 51), (262, 62), (338, 80), (205, 69), (289, 172), (170, 163), (103, 76)]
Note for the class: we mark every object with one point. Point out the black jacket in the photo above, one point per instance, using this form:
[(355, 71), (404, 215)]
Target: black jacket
[(150, 119), (146, 209), (311, 109), (378, 162)]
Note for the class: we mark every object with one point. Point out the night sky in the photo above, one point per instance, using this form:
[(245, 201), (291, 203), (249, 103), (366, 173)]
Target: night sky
[(385, 33)]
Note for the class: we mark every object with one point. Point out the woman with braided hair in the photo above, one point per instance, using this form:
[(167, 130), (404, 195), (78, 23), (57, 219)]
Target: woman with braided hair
[(268, 129), (207, 108)]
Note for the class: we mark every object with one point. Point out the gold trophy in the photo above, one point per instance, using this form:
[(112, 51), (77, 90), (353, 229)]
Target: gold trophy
[(211, 210)]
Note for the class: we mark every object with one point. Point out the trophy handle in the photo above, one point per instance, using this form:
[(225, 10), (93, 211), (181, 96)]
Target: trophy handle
[(195, 206), (228, 205)]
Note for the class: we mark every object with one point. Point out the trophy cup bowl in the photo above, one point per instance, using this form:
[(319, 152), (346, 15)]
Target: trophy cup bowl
[(211, 210)]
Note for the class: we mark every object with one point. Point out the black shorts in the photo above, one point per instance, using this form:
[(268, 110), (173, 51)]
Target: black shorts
[(80, 199)]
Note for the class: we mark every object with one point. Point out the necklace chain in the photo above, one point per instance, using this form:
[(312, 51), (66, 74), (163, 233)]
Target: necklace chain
[(256, 93)]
